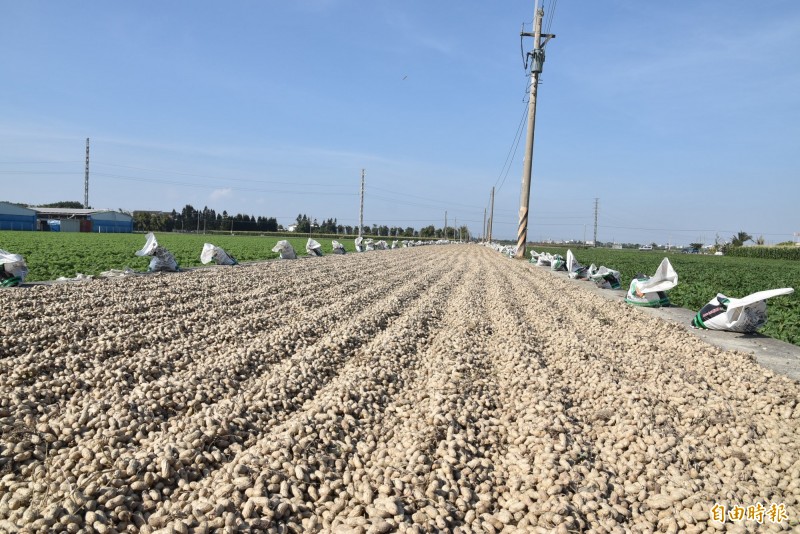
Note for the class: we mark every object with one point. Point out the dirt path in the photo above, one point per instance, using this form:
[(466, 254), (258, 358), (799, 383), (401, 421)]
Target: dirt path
[(434, 388)]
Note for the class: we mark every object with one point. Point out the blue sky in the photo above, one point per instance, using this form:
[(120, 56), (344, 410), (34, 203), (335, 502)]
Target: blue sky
[(683, 119)]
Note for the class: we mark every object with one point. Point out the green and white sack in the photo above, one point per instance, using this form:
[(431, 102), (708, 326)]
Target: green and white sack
[(313, 247), (285, 249), (650, 291), (558, 263), (737, 315), (604, 278), (163, 260), (338, 248), (544, 260), (13, 269), (575, 269), (217, 255)]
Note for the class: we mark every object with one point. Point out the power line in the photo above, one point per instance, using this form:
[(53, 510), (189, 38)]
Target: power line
[(177, 173), (226, 178), (551, 13), (38, 162), (514, 146), (214, 186), (447, 203)]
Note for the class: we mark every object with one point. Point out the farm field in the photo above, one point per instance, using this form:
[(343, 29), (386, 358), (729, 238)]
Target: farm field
[(701, 277), (422, 389), (50, 255)]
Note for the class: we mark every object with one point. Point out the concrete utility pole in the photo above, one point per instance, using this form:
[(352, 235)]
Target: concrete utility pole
[(86, 179), (537, 62), (445, 225), (361, 211), (455, 228), (596, 201), (491, 216), (483, 237)]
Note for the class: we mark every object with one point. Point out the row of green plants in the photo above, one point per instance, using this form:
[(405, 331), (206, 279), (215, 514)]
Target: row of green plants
[(770, 253), (50, 255), (701, 277)]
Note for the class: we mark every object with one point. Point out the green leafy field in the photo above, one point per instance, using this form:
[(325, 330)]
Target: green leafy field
[(701, 277), (50, 255)]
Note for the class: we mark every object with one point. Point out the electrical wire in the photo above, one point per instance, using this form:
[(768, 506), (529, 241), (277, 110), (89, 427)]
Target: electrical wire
[(37, 162), (551, 14), (445, 204), (178, 173), (213, 186), (512, 151)]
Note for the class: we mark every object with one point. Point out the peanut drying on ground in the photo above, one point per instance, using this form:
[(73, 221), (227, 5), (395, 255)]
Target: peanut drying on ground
[(421, 389)]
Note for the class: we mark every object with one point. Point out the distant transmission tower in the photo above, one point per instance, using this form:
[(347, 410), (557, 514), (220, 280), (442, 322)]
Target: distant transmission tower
[(86, 179)]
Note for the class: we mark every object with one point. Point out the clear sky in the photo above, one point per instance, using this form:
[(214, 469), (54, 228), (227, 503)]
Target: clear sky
[(682, 118)]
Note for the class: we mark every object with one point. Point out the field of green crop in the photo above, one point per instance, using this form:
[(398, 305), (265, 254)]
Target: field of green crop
[(701, 277), (50, 255)]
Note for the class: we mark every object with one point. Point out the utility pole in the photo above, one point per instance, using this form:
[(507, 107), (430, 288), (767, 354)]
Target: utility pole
[(455, 228), (491, 216), (86, 179), (445, 225), (537, 62), (596, 201), (361, 211), (483, 237), (198, 221)]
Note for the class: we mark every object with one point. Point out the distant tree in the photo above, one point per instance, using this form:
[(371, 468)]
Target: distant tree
[(328, 226), (740, 239), (695, 246), (760, 240), (303, 223), (428, 231), (71, 204)]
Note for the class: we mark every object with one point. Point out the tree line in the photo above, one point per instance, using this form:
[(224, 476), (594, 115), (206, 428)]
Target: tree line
[(190, 219)]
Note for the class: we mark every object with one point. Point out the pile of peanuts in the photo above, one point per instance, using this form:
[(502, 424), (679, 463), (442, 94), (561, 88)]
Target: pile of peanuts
[(409, 390)]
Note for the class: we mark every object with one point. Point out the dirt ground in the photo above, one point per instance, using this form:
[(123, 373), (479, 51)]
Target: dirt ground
[(433, 388)]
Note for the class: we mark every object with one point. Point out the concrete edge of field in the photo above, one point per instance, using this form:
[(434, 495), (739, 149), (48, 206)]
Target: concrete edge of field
[(778, 356)]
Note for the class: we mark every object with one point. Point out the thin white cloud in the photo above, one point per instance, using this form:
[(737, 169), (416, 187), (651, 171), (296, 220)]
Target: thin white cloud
[(218, 194), (413, 32)]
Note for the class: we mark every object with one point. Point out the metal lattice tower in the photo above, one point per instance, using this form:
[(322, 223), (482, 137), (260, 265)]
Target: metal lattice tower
[(86, 179)]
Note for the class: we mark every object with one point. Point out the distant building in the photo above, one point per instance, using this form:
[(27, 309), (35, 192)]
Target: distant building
[(13, 217), (291, 228)]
